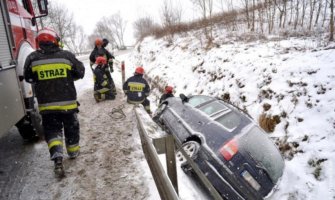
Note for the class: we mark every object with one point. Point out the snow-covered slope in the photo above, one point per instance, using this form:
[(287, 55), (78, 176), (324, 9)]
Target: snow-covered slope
[(294, 76)]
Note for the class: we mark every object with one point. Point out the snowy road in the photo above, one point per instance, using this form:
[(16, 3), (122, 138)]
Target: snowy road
[(110, 165)]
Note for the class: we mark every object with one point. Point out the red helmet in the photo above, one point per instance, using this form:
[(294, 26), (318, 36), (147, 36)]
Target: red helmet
[(98, 42), (139, 70), (168, 89), (48, 35), (101, 60)]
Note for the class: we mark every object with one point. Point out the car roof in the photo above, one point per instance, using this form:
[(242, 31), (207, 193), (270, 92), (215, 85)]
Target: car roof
[(217, 110)]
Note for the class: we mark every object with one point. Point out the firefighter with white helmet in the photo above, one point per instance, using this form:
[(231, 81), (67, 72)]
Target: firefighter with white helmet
[(137, 89), (53, 72)]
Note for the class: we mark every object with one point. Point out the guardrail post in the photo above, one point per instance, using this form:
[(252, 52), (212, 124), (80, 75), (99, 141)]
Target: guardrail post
[(171, 161), (123, 74)]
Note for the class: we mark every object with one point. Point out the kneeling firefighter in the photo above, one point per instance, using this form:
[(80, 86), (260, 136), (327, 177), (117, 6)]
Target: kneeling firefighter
[(137, 89), (103, 84)]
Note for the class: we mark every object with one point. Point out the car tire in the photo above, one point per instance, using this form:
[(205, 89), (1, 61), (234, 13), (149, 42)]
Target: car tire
[(191, 148)]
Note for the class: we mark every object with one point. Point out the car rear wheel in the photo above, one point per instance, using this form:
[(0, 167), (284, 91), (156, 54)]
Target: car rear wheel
[(191, 148)]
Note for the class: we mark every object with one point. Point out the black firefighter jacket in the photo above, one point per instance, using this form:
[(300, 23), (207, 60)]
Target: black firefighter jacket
[(136, 89), (53, 71), (102, 81), (100, 52)]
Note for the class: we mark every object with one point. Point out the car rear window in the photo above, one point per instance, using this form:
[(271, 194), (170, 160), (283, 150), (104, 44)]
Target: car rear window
[(264, 152), (230, 120), (197, 100)]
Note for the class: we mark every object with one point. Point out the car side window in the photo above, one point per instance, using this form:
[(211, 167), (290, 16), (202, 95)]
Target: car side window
[(197, 100), (230, 120)]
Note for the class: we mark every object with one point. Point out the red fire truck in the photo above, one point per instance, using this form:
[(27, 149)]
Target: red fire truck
[(18, 29)]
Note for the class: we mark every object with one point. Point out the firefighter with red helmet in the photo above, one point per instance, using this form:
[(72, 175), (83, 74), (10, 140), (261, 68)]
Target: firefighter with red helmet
[(100, 50), (168, 92), (137, 89), (102, 82), (53, 71)]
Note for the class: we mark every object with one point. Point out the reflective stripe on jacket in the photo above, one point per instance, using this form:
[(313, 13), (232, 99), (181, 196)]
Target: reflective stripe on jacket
[(65, 105), (53, 71)]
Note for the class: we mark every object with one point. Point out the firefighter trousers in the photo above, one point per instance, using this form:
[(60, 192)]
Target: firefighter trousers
[(53, 124), (145, 103)]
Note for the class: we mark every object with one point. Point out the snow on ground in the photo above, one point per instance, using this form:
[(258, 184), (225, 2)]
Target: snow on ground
[(111, 164), (295, 76)]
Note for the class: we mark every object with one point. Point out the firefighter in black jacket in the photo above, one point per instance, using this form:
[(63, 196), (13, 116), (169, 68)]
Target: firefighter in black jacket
[(168, 92), (53, 72), (137, 89), (99, 50), (102, 82)]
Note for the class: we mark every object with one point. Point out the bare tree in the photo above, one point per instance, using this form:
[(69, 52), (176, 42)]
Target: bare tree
[(103, 29), (291, 13), (312, 4), (281, 5), (260, 15), (170, 17), (231, 9), (245, 4), (206, 8), (303, 12), (61, 20), (202, 6), (318, 13), (77, 42), (325, 13), (118, 28), (253, 16), (331, 24), (297, 9), (112, 28), (143, 27), (270, 14)]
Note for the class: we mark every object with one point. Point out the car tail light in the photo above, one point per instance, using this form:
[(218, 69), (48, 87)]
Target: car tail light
[(247, 176), (229, 149)]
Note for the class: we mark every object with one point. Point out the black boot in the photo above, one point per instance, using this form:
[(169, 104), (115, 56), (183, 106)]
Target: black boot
[(59, 168)]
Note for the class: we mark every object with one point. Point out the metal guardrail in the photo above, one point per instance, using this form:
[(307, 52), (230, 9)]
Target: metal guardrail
[(164, 185), (167, 185)]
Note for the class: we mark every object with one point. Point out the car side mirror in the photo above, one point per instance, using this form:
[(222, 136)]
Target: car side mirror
[(183, 98)]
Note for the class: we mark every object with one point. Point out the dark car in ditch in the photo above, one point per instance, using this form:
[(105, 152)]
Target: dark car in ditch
[(234, 153)]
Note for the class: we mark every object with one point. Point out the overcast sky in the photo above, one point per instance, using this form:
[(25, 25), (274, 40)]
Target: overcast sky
[(88, 12)]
